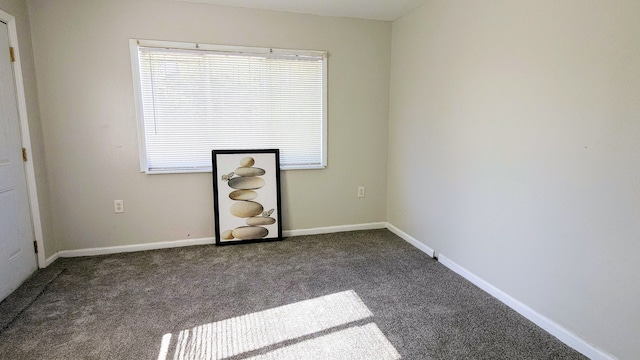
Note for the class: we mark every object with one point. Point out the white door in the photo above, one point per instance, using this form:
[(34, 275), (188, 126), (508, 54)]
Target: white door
[(17, 254)]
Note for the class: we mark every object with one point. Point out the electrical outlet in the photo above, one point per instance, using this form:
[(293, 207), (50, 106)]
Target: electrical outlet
[(118, 206), (360, 191)]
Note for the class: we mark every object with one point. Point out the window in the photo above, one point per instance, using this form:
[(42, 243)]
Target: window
[(193, 98)]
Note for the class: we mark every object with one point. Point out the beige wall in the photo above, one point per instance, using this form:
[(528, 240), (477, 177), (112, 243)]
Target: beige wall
[(512, 138), (86, 96), (18, 9), (514, 151)]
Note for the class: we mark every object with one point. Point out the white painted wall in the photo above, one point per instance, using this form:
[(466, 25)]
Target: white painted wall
[(514, 150), (87, 105), (18, 9)]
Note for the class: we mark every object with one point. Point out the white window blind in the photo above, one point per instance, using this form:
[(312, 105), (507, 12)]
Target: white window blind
[(194, 98)]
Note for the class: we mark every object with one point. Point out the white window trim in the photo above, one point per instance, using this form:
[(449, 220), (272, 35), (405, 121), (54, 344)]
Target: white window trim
[(135, 64)]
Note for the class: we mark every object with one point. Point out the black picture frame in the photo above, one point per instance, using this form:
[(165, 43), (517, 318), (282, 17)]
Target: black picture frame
[(246, 196)]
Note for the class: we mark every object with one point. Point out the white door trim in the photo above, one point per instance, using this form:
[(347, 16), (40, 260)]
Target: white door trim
[(10, 20)]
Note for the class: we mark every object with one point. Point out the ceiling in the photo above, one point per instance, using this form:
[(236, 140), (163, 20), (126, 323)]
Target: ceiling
[(388, 10)]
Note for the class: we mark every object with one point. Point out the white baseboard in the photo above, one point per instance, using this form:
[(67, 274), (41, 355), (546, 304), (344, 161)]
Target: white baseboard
[(51, 259), (411, 240), (202, 241), (550, 326), (545, 323), (334, 229), (137, 247)]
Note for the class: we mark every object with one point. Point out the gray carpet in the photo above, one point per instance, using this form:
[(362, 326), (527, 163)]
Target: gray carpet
[(354, 295)]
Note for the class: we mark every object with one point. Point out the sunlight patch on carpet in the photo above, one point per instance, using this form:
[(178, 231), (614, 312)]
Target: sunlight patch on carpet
[(267, 330), (356, 342)]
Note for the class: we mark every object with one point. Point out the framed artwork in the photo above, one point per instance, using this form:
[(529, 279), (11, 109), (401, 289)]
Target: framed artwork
[(246, 196)]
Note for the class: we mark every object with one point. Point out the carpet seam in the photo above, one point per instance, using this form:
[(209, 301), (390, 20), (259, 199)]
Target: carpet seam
[(44, 289)]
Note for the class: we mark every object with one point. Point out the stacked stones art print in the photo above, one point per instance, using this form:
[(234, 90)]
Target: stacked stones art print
[(246, 196)]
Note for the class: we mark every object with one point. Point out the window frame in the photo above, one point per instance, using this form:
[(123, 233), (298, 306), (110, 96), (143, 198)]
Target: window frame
[(232, 49)]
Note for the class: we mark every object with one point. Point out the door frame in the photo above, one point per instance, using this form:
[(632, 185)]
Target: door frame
[(34, 207)]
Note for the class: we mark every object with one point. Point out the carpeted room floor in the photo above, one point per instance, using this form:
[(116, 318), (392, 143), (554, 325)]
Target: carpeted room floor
[(354, 295)]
